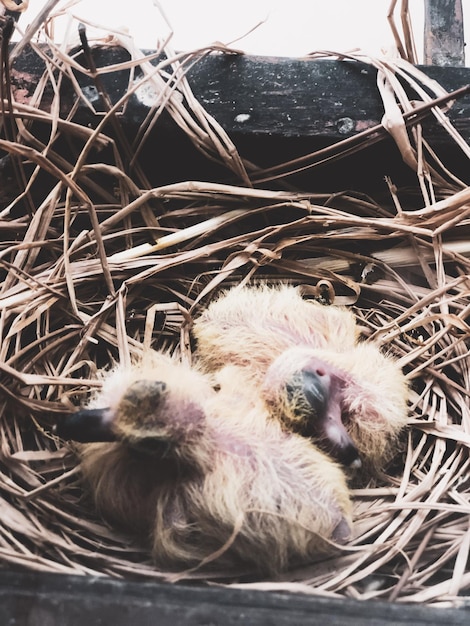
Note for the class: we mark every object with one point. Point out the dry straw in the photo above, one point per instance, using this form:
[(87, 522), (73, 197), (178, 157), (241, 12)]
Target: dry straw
[(98, 265)]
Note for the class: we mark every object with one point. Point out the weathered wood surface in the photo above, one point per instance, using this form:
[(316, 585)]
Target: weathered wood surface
[(286, 97), (62, 600), (274, 109), (444, 42)]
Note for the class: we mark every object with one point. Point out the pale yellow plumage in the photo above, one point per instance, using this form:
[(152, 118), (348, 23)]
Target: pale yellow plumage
[(208, 461)]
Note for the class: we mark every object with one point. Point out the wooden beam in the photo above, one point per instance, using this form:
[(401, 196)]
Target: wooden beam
[(39, 598), (274, 109), (324, 99)]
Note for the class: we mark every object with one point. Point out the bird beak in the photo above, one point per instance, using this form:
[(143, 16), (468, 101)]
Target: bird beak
[(323, 391), (86, 426)]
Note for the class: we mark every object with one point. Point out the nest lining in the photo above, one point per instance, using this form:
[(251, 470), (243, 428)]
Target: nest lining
[(97, 266)]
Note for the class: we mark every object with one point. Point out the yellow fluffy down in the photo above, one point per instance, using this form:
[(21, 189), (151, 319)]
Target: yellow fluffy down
[(233, 482), (238, 483), (273, 332)]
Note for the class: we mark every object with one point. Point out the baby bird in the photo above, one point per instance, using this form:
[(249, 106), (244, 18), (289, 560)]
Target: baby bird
[(194, 463), (315, 375), (239, 460)]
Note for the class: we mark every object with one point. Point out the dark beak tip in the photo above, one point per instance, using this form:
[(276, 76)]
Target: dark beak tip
[(85, 426)]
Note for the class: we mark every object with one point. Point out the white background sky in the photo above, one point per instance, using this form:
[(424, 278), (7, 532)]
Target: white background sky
[(290, 27)]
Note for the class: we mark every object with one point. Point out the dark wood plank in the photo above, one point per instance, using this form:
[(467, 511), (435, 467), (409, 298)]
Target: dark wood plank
[(284, 97), (43, 599), (444, 42), (274, 109)]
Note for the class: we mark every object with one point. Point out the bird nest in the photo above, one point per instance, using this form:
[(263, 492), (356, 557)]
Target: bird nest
[(99, 266)]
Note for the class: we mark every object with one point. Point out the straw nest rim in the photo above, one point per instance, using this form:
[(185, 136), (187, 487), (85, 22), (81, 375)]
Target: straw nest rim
[(90, 276)]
